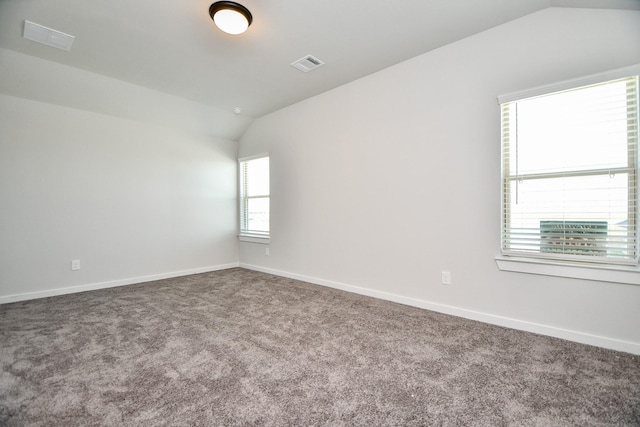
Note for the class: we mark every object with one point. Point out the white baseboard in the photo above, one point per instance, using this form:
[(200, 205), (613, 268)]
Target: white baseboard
[(111, 284), (580, 337)]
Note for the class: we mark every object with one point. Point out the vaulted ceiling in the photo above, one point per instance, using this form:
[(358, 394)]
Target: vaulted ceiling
[(173, 46)]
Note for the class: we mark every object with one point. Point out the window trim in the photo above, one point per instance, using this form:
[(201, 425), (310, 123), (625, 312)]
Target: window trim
[(246, 236), (545, 267), (265, 240), (592, 79), (608, 272)]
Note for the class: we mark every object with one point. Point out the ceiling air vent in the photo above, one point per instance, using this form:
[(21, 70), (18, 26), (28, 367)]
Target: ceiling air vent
[(307, 63), (48, 36)]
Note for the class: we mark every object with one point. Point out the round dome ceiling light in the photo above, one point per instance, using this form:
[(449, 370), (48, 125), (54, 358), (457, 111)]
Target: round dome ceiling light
[(230, 17)]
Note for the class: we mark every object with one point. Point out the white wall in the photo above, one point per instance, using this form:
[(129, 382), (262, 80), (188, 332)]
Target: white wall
[(130, 199), (379, 185), (37, 79)]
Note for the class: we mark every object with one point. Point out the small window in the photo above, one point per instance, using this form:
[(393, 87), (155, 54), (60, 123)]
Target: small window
[(254, 197), (569, 174)]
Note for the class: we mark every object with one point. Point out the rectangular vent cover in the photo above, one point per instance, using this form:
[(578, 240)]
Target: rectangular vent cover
[(307, 63), (48, 36)]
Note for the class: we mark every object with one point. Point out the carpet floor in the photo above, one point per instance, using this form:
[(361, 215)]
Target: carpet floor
[(243, 348)]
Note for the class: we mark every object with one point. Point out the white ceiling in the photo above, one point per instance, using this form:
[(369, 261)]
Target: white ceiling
[(173, 46)]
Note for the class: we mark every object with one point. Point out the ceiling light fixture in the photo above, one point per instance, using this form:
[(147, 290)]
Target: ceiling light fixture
[(230, 17)]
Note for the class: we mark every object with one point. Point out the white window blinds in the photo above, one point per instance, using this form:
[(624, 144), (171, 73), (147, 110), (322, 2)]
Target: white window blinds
[(569, 174), (254, 196)]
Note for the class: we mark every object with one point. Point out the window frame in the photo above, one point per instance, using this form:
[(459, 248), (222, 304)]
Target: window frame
[(244, 234), (573, 268)]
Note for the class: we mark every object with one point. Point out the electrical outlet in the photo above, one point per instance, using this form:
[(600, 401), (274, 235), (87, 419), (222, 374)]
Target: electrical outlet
[(446, 277), (75, 264), (267, 252)]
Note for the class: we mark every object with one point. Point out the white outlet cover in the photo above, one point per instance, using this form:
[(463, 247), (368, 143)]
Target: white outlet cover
[(446, 277)]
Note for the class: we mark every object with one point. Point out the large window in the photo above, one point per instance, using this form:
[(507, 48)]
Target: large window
[(254, 197), (569, 174)]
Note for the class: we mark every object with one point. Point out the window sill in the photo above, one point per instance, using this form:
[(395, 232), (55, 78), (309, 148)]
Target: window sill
[(601, 273), (265, 240)]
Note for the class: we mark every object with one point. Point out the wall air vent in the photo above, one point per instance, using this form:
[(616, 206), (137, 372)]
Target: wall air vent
[(307, 63), (48, 36)]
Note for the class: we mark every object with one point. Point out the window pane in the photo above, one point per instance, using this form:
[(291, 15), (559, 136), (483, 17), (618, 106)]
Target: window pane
[(573, 130), (258, 215), (257, 176), (591, 203)]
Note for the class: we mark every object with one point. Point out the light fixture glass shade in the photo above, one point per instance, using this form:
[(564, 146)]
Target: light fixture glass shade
[(230, 17)]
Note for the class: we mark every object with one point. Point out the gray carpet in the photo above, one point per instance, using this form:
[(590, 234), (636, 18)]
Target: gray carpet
[(238, 347)]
